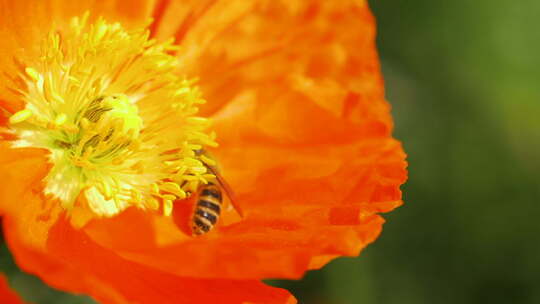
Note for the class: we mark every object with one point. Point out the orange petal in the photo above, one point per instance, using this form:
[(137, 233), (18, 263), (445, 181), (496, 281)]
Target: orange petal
[(73, 262), (306, 216), (304, 130), (297, 97), (295, 90), (21, 193), (243, 251), (7, 295)]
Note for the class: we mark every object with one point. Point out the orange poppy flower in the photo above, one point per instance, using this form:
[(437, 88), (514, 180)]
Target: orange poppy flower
[(107, 125), (7, 295)]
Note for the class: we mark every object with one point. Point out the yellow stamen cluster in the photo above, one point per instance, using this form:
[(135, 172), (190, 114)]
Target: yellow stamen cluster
[(118, 121)]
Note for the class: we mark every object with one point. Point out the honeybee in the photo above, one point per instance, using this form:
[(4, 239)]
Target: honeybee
[(209, 202)]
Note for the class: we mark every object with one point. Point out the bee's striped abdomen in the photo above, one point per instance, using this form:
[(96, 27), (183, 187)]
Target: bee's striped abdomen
[(207, 209)]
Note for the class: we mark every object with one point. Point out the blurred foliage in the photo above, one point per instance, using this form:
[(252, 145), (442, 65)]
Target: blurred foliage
[(463, 80)]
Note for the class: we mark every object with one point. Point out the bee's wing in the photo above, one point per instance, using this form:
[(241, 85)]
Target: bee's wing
[(227, 190)]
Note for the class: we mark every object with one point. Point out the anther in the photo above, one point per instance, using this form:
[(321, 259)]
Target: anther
[(32, 73), (169, 197), (20, 116), (167, 207), (60, 119)]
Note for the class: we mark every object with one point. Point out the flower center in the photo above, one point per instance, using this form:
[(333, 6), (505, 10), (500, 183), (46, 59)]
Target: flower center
[(118, 121), (107, 132)]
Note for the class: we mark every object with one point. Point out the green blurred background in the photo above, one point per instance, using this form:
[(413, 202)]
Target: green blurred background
[(463, 78)]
